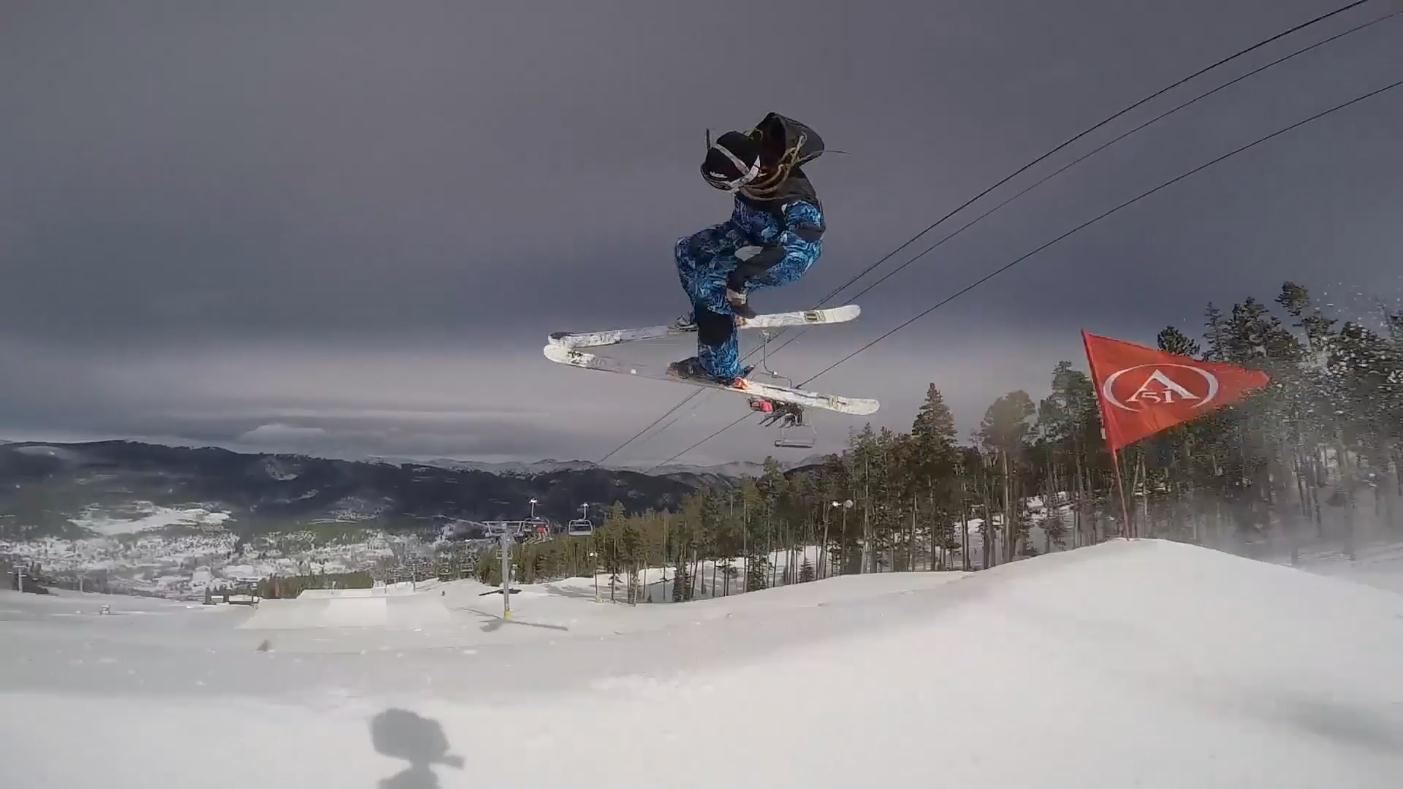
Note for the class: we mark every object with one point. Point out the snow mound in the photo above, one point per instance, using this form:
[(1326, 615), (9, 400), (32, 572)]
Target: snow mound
[(327, 608), (1144, 663)]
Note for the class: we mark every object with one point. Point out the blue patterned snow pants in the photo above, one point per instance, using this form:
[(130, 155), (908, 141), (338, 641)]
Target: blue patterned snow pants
[(707, 258)]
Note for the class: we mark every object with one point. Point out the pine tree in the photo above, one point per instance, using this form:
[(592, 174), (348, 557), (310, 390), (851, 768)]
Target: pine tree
[(1004, 432), (865, 466), (1298, 304), (1069, 438), (934, 428), (1254, 334), (1215, 331), (611, 551), (771, 487), (933, 456), (757, 572), (1171, 340), (800, 510), (1368, 375), (833, 488), (630, 546), (681, 583)]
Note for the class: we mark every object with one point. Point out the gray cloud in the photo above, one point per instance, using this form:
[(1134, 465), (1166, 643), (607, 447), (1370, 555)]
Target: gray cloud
[(357, 223)]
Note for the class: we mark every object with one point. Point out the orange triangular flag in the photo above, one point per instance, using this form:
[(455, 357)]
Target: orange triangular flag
[(1145, 390)]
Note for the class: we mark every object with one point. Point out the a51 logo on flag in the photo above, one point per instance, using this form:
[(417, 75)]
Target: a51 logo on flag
[(1145, 390)]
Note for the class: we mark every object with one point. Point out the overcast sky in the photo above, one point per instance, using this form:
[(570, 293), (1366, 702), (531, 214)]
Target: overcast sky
[(347, 228)]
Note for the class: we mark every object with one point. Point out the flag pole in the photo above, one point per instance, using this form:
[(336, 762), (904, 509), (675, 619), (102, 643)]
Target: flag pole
[(1107, 428), (1120, 488)]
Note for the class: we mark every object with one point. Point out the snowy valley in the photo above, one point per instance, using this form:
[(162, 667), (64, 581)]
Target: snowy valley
[(174, 521)]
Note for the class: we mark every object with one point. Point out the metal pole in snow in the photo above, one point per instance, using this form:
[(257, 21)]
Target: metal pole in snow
[(1125, 528), (506, 576), (1112, 443)]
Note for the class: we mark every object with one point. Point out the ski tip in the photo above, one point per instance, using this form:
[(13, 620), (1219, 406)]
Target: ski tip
[(842, 314), (857, 406), (557, 353)]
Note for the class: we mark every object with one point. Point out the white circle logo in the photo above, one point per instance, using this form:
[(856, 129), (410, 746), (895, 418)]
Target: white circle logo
[(1158, 388)]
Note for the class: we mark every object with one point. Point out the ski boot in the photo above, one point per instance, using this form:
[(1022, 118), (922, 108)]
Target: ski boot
[(740, 305), (691, 369)]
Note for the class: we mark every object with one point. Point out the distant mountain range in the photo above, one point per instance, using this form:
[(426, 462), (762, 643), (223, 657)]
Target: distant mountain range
[(114, 487), (733, 470)]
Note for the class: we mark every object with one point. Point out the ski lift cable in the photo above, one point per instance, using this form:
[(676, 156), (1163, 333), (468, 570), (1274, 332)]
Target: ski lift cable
[(683, 414), (853, 280), (1095, 151), (664, 415), (1089, 130), (1020, 259), (656, 466), (913, 239), (1099, 217)]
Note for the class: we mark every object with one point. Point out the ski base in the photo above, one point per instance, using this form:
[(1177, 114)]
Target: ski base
[(855, 406), (775, 320)]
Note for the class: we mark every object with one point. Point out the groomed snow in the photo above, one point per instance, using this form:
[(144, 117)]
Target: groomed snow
[(1141, 663)]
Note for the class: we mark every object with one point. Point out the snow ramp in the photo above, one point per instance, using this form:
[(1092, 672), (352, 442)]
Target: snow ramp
[(322, 608)]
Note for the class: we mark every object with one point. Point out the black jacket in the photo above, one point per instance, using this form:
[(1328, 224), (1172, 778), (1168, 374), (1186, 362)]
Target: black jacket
[(779, 136)]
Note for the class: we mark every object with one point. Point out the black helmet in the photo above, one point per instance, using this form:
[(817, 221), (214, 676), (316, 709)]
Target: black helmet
[(732, 161)]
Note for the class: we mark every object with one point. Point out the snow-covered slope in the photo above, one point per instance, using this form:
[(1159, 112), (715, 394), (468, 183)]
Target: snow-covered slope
[(1379, 565), (1126, 664), (139, 516)]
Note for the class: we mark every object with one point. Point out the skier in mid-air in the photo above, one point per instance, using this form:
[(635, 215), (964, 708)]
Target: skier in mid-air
[(773, 236)]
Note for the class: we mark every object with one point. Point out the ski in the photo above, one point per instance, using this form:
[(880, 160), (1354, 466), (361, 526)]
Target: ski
[(775, 320), (856, 406)]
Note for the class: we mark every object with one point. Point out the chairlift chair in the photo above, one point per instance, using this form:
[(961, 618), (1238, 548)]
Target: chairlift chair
[(794, 433)]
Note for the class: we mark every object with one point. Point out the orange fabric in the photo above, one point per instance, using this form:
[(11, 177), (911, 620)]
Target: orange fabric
[(1145, 390)]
